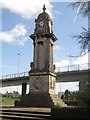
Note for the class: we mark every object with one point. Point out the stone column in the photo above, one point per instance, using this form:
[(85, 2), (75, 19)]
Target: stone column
[(34, 44), (24, 87), (52, 57), (49, 54), (35, 55), (45, 53), (41, 61)]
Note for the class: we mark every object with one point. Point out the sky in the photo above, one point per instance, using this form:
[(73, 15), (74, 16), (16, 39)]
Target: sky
[(17, 23)]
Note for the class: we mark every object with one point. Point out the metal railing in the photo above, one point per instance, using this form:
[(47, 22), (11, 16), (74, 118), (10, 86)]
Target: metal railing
[(77, 67), (16, 75)]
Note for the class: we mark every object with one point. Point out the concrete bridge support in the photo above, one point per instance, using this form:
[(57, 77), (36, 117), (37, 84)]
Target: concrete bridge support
[(24, 88), (82, 84)]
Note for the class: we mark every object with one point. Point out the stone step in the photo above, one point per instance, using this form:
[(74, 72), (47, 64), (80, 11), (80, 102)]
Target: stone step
[(15, 114), (15, 117), (57, 101), (26, 114)]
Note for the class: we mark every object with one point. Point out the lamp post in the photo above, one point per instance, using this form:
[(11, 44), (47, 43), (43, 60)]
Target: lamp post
[(18, 63), (18, 67)]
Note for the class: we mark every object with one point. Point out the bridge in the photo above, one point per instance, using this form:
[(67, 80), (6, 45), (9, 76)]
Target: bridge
[(70, 73)]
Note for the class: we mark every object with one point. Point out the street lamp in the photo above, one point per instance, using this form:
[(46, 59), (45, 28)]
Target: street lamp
[(18, 67), (18, 63)]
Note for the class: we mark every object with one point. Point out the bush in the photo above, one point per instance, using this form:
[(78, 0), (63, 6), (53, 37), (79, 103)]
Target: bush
[(83, 96), (72, 102)]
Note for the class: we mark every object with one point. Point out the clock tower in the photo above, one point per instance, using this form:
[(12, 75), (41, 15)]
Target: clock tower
[(42, 72), (43, 41), (42, 77)]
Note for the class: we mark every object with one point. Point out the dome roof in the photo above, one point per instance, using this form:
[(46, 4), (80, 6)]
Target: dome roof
[(43, 14)]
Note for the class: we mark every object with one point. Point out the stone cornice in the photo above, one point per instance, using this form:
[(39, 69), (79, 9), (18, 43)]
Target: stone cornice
[(42, 73), (47, 35)]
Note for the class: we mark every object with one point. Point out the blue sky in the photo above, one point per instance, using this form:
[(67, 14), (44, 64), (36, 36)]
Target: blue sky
[(18, 23)]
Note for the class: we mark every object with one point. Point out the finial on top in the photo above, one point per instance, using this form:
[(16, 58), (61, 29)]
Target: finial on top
[(44, 8)]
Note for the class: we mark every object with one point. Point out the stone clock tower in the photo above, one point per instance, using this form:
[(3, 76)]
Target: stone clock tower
[(43, 41), (42, 74)]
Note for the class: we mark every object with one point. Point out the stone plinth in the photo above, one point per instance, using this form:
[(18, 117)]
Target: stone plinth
[(41, 86), (42, 82), (37, 99), (42, 92)]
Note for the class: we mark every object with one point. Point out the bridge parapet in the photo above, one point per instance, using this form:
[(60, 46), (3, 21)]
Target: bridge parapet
[(76, 67), (62, 69), (16, 75)]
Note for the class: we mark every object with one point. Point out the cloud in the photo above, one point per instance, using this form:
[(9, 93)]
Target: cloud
[(82, 59), (57, 12), (7, 37), (68, 0), (16, 35), (62, 63), (56, 48), (80, 63), (25, 8)]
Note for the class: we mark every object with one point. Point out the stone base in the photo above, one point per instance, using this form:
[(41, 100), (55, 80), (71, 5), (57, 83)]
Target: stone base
[(42, 92), (39, 100), (35, 100), (42, 82)]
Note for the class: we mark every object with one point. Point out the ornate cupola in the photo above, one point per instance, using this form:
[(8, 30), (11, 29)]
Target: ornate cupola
[(43, 23), (43, 26)]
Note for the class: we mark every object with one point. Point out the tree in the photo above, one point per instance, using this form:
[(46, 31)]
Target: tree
[(83, 96), (67, 94), (84, 7), (83, 37)]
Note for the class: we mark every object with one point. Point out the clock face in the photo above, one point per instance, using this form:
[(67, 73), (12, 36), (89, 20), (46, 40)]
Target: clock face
[(41, 23)]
